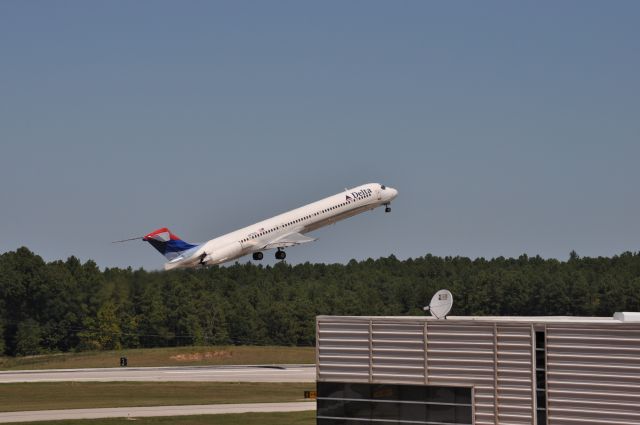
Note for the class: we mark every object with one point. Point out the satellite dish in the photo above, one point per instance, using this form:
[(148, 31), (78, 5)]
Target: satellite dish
[(440, 304)]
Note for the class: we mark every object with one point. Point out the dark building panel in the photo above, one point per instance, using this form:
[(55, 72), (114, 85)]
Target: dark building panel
[(347, 403)]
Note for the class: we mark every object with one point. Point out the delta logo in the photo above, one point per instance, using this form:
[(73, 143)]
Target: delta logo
[(361, 194)]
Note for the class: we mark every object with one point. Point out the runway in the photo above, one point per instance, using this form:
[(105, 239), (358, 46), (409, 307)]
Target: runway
[(140, 412), (275, 373)]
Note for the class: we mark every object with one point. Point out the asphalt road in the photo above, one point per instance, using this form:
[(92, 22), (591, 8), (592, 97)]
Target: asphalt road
[(139, 412), (277, 373)]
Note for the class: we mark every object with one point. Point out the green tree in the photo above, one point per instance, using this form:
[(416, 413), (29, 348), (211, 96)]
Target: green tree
[(70, 305), (108, 327), (2, 333), (28, 337)]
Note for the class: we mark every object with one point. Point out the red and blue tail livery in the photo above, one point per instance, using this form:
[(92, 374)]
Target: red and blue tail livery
[(168, 244)]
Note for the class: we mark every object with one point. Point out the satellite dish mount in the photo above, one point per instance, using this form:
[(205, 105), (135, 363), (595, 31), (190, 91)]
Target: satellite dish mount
[(440, 304)]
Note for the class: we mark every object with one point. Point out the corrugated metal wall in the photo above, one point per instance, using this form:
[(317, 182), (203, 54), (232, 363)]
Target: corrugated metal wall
[(515, 384), (593, 374), (593, 371), (464, 353), (344, 350), (453, 353)]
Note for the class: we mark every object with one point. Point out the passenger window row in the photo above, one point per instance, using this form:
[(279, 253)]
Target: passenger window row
[(257, 235)]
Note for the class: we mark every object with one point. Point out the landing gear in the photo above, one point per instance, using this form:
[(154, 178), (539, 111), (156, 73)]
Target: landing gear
[(258, 256), (387, 208), (280, 255)]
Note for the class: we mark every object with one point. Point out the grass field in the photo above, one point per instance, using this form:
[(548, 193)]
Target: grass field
[(82, 395), (175, 356), (293, 418)]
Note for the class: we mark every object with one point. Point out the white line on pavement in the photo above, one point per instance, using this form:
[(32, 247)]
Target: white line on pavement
[(133, 412)]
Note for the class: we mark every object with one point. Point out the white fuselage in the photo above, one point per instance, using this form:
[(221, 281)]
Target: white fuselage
[(266, 234)]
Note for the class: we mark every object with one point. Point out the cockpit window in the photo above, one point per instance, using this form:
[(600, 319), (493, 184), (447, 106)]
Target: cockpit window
[(383, 187)]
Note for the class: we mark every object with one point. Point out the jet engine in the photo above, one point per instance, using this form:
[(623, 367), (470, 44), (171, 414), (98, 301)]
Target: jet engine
[(226, 253)]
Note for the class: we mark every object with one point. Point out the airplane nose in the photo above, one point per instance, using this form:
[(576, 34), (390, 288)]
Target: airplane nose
[(392, 192)]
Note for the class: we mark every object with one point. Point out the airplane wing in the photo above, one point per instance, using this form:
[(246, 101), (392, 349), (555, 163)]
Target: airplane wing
[(290, 239)]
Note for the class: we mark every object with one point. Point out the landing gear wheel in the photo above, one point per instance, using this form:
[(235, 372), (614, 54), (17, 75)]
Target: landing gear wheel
[(387, 208), (258, 256), (280, 255)]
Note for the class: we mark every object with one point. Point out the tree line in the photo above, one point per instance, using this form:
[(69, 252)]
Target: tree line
[(68, 305)]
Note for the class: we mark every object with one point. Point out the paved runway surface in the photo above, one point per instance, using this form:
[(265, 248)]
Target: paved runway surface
[(139, 412), (279, 373)]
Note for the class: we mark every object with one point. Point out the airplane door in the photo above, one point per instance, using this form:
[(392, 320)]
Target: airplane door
[(379, 194), (248, 244)]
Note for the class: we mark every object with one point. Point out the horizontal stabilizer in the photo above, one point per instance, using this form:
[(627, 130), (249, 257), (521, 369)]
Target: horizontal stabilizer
[(290, 239)]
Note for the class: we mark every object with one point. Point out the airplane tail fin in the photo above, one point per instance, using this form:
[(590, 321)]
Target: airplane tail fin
[(167, 243)]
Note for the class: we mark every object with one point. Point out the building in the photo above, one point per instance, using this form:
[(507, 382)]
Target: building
[(478, 370)]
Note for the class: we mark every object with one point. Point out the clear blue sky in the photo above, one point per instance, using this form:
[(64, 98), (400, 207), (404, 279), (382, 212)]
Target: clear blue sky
[(508, 127)]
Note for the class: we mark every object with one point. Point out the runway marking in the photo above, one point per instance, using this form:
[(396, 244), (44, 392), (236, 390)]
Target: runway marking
[(153, 411), (234, 371), (69, 379)]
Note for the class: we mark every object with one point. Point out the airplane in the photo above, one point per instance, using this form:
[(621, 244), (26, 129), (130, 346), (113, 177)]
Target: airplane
[(279, 232)]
